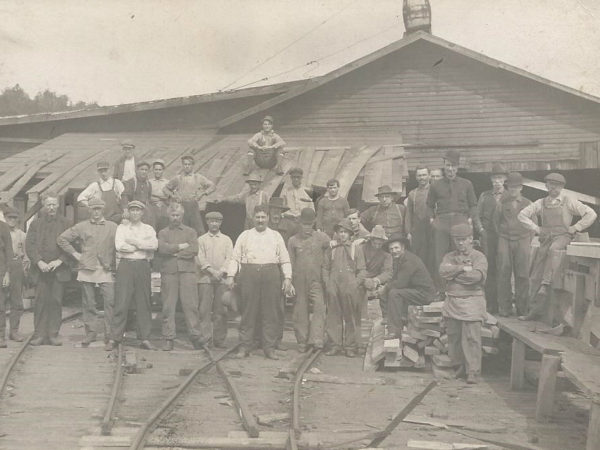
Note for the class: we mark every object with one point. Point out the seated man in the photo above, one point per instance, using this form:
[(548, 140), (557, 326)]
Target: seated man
[(265, 148), (411, 284), (464, 310)]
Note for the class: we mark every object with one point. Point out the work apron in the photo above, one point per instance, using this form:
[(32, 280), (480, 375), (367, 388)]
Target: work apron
[(112, 206)]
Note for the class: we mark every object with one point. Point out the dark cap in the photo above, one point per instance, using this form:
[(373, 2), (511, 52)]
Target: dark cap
[(397, 237), (556, 178), (278, 202), (385, 189), (127, 143), (187, 158), (96, 203), (453, 156), (498, 169), (296, 171), (143, 163), (514, 179), (345, 224), (461, 230), (213, 215), (102, 165), (307, 216)]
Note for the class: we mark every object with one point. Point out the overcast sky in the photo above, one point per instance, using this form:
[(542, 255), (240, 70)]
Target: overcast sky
[(122, 51)]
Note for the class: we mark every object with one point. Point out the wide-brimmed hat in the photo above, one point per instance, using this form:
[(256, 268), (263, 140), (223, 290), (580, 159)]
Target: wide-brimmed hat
[(462, 230), (377, 233), (514, 179), (345, 224), (556, 178), (397, 237), (453, 156), (385, 189), (278, 202)]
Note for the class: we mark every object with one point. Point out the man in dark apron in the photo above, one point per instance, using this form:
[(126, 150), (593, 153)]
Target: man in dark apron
[(107, 189)]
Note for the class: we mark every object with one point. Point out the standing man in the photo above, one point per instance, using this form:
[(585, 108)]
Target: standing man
[(17, 268), (360, 232), (277, 220), (135, 243), (514, 247), (251, 198), (464, 310), (159, 199), (125, 165), (265, 149), (486, 206), (95, 264), (214, 251), (139, 188), (451, 201), (107, 189), (417, 223), (435, 174), (343, 272), (188, 188), (388, 214), (556, 212), (261, 258), (307, 252), (49, 268), (296, 196), (331, 208), (178, 247)]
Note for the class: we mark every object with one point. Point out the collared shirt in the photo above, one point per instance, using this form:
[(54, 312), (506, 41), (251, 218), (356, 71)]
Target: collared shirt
[(343, 260), (570, 207), (264, 247), (141, 232), (391, 218), (6, 248), (97, 244), (137, 190), (453, 196), (409, 272), (157, 189), (95, 189), (416, 208), (189, 186), (307, 254), (214, 251), (486, 206), (330, 212), (505, 219), (266, 139), (174, 260), (17, 237), (128, 169), (297, 200)]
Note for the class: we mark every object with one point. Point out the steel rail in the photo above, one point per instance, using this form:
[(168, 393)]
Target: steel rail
[(142, 434), (108, 419), (294, 430)]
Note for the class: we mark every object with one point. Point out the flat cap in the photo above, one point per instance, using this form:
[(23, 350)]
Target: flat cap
[(253, 177), (453, 156), (158, 161), (96, 203), (11, 212), (555, 177), (514, 179), (268, 119), (461, 230), (187, 158), (143, 163), (344, 224), (135, 204), (498, 169), (296, 171), (102, 165), (307, 216), (214, 215), (127, 143)]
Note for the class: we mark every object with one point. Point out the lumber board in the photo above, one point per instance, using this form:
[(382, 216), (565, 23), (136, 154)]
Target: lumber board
[(517, 365), (379, 173), (332, 379), (579, 196), (12, 175), (28, 175), (348, 172), (520, 330), (315, 162), (546, 387), (593, 433), (328, 167)]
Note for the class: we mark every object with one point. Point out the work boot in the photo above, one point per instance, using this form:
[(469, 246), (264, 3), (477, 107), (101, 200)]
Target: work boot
[(89, 338), (460, 372), (302, 348), (55, 341), (2, 343), (168, 345), (270, 354), (15, 336), (318, 346), (198, 343), (333, 351), (37, 341), (472, 378), (242, 353), (147, 345), (351, 353)]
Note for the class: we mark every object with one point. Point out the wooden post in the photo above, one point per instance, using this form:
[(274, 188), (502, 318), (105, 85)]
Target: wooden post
[(593, 434), (517, 365), (546, 387)]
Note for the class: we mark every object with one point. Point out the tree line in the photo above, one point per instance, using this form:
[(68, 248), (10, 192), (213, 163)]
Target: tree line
[(15, 101)]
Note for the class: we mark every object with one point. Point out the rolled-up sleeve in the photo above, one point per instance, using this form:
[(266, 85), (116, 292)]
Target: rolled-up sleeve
[(236, 256), (527, 214), (283, 256), (588, 215)]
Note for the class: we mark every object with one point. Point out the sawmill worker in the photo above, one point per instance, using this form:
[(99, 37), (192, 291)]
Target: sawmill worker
[(343, 272), (514, 247), (410, 284), (261, 258), (214, 252), (417, 223), (95, 267), (6, 257), (360, 232), (178, 248), (188, 188), (296, 195), (388, 213), (17, 269), (277, 220), (49, 270), (159, 199), (125, 166), (486, 206), (251, 197), (139, 188), (464, 310), (331, 208), (307, 251), (451, 201), (556, 212), (135, 243), (108, 189), (435, 174), (265, 149)]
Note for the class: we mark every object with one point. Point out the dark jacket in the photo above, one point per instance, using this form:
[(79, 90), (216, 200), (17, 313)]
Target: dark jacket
[(409, 272), (505, 219), (6, 248), (174, 260), (41, 245), (119, 168), (97, 243)]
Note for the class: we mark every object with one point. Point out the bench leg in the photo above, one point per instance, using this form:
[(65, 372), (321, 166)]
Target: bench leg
[(593, 433), (546, 387), (517, 365)]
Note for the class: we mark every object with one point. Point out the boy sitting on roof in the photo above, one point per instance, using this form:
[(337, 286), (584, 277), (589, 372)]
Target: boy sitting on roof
[(265, 149)]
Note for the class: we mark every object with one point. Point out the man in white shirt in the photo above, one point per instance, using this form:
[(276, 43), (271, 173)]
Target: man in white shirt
[(261, 257), (296, 196), (125, 165), (107, 189), (135, 243), (17, 269)]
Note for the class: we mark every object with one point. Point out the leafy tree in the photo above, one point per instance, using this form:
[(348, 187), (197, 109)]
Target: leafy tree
[(15, 101)]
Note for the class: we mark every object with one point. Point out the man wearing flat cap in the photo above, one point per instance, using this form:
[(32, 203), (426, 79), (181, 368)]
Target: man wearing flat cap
[(388, 214), (251, 196), (486, 206), (214, 251), (135, 243), (125, 166), (139, 188), (451, 201), (265, 149), (159, 199), (107, 189), (95, 267), (464, 310), (296, 195), (17, 269), (555, 213)]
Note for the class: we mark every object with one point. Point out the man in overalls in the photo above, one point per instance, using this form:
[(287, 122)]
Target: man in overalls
[(107, 189), (140, 189), (265, 148), (388, 213), (556, 211)]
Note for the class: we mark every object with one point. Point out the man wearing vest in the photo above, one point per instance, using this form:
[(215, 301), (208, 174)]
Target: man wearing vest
[(556, 212), (107, 189), (139, 188), (388, 214), (125, 166), (417, 225)]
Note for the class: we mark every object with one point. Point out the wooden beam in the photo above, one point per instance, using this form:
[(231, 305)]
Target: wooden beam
[(593, 433), (10, 140), (546, 387), (585, 198), (517, 365), (29, 174)]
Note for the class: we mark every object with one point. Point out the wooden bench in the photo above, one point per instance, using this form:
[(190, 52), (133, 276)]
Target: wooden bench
[(578, 361)]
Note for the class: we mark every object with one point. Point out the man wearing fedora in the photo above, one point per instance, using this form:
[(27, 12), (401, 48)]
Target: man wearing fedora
[(486, 206), (331, 208), (555, 213), (388, 214), (139, 188), (265, 149), (95, 266), (188, 188), (251, 198), (464, 310), (514, 247), (277, 220), (159, 199), (125, 166), (307, 249), (416, 224), (107, 189), (451, 201)]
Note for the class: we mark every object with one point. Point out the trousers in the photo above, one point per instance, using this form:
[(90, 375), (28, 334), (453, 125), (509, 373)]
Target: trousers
[(192, 217), (132, 285), (464, 344), (490, 247), (421, 244), (47, 313), (309, 328), (513, 260), (397, 306), (15, 294), (175, 287), (213, 315), (342, 304), (92, 319), (442, 242)]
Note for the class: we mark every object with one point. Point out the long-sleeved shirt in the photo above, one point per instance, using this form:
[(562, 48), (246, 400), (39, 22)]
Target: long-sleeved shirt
[(214, 251), (378, 263), (264, 139), (136, 190), (296, 199), (251, 200), (330, 212), (505, 219), (95, 189), (6, 248), (344, 259), (124, 168), (145, 236), (416, 208), (41, 245), (453, 196), (264, 247), (486, 206), (409, 272), (157, 189), (306, 255), (174, 260), (570, 207), (190, 187), (286, 227), (391, 218), (17, 237)]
